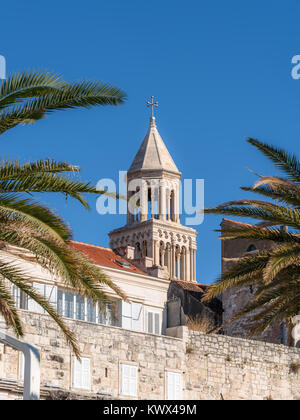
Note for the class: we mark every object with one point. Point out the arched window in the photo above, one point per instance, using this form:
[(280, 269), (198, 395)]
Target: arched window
[(145, 252), (138, 252), (172, 205)]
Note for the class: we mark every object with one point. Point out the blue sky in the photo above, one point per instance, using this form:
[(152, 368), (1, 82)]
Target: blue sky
[(221, 72)]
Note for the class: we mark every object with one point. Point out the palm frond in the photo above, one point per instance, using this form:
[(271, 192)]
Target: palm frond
[(68, 96), (286, 162), (19, 86), (34, 214)]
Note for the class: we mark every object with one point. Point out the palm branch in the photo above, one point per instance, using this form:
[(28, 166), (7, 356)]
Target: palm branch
[(31, 227), (28, 97), (274, 272)]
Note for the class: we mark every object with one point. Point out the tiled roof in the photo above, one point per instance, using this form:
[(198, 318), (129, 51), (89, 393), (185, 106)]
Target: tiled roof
[(190, 285), (105, 257)]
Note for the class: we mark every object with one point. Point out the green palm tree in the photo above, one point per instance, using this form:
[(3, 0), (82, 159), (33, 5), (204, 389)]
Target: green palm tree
[(27, 224), (274, 273)]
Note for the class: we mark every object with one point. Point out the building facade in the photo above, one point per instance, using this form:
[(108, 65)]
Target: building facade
[(141, 349)]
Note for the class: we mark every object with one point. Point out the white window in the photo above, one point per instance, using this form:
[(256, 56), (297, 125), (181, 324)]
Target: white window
[(19, 297), (173, 386), (132, 315), (75, 306), (23, 301), (81, 373), (129, 380), (153, 322)]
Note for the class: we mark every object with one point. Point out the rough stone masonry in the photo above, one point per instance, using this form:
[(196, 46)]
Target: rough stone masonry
[(212, 366)]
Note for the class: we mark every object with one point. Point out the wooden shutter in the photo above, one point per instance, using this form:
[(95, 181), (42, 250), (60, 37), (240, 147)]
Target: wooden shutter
[(129, 380), (81, 373), (85, 362), (32, 305), (157, 323), (136, 309), (125, 389), (51, 294), (77, 375), (174, 387), (133, 381), (153, 322), (60, 302), (150, 322), (126, 315)]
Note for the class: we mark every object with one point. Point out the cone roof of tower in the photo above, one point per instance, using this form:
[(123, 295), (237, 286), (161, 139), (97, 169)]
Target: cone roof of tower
[(153, 153)]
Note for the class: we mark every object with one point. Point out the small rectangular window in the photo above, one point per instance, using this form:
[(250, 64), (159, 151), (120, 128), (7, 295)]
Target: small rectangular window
[(129, 380), (81, 373), (80, 307), (69, 305), (153, 322), (173, 386), (60, 302), (91, 311)]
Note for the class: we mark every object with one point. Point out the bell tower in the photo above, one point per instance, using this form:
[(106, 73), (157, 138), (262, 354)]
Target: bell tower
[(154, 238)]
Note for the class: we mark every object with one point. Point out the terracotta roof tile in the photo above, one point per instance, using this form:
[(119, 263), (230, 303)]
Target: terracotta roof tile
[(190, 285), (105, 257)]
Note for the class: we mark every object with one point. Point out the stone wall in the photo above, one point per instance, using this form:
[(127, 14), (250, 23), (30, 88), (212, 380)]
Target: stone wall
[(212, 367), (234, 300)]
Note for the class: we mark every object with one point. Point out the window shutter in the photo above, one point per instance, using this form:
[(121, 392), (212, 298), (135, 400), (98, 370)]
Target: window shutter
[(16, 295), (133, 381), (32, 305), (126, 315), (77, 376), (157, 323), (178, 387), (136, 316), (153, 323), (129, 380), (51, 294), (81, 373), (85, 373), (60, 302), (170, 386), (150, 322), (126, 379), (174, 387)]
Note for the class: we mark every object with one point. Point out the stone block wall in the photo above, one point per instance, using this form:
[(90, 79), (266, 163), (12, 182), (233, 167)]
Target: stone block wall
[(212, 366)]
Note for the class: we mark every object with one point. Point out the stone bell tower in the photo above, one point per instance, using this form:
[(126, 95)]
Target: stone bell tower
[(153, 238)]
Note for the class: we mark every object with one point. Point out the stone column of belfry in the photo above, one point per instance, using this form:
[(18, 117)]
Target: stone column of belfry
[(173, 260), (187, 264), (177, 209), (195, 276), (191, 264), (162, 201), (144, 201)]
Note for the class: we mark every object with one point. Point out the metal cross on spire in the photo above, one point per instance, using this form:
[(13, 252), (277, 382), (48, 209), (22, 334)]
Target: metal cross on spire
[(153, 104)]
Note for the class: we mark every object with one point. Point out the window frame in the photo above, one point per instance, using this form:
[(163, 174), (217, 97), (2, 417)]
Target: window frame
[(129, 365)]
